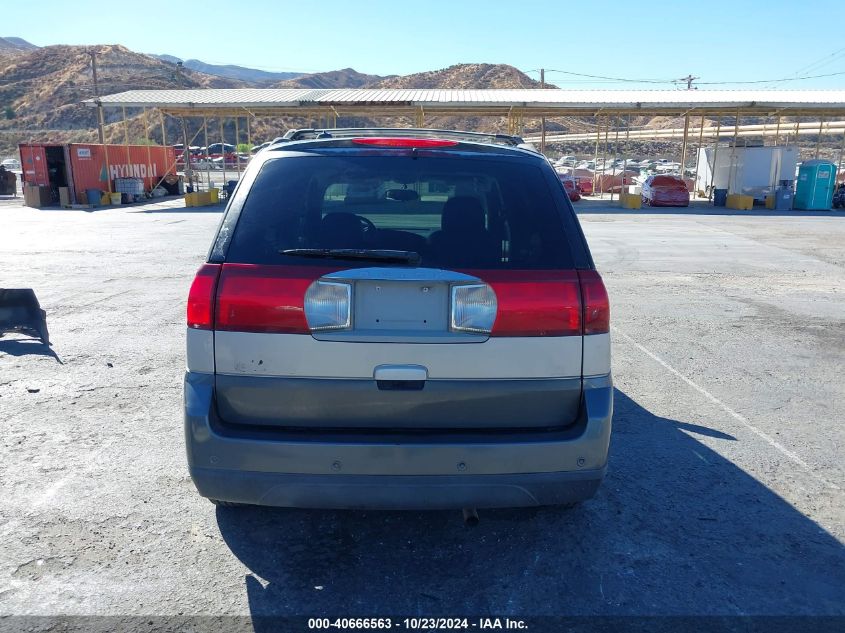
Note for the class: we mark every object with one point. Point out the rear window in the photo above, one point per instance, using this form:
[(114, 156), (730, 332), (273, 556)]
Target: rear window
[(452, 212), (667, 181)]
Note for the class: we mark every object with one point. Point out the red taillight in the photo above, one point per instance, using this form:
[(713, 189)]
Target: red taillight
[(201, 297), (535, 303), (404, 142), (596, 303), (257, 298)]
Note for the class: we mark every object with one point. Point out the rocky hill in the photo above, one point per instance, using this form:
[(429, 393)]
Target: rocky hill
[(346, 78), (462, 77), (14, 46), (41, 89), (231, 71)]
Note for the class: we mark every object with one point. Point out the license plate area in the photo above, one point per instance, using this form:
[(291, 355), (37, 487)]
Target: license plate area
[(400, 307)]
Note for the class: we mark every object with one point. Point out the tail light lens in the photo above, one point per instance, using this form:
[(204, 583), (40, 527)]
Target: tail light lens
[(473, 308), (535, 302), (258, 298), (596, 303), (201, 298), (328, 306)]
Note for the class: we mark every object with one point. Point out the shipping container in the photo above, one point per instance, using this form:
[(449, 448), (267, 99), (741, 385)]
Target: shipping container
[(84, 166)]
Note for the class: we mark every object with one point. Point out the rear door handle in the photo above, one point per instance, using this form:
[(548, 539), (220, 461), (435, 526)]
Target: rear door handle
[(402, 373)]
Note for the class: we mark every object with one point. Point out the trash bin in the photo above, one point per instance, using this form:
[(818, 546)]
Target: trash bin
[(115, 198), (93, 196), (720, 197), (783, 199)]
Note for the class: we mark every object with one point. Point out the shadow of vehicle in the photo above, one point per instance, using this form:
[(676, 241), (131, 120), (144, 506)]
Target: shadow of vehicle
[(25, 347), (676, 529)]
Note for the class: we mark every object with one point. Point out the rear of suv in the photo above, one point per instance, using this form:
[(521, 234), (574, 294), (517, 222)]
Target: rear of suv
[(398, 319)]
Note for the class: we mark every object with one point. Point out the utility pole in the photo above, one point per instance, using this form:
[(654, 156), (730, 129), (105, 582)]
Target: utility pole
[(100, 132), (542, 118), (688, 80)]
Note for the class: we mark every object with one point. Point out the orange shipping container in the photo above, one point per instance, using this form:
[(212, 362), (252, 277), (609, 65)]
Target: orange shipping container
[(83, 166)]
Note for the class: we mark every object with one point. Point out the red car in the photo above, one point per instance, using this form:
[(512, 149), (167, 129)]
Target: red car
[(571, 189), (665, 191), (585, 186)]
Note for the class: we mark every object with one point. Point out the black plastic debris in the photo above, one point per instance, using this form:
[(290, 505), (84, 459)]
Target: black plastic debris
[(20, 312)]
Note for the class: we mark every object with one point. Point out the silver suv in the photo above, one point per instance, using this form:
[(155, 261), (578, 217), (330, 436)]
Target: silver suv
[(398, 319)]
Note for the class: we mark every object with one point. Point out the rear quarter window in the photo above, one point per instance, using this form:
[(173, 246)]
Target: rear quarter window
[(454, 212)]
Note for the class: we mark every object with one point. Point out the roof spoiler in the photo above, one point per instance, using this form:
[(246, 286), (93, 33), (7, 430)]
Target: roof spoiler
[(352, 132)]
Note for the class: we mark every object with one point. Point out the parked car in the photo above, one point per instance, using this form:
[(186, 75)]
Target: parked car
[(12, 164), (584, 185), (440, 343), (215, 150), (570, 186), (662, 190)]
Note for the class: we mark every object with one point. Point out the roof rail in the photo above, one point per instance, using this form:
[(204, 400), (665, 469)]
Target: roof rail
[(357, 132)]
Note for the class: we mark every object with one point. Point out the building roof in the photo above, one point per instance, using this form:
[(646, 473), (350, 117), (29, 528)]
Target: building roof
[(199, 102)]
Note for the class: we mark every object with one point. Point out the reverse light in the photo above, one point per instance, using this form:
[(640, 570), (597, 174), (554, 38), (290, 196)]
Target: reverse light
[(473, 308), (404, 142), (328, 306)]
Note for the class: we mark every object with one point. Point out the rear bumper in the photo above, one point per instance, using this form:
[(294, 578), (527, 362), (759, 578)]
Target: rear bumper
[(317, 469)]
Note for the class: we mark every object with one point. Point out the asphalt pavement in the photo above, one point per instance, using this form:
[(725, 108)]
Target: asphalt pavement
[(724, 494)]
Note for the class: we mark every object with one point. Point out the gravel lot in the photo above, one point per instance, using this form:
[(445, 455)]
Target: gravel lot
[(725, 491)]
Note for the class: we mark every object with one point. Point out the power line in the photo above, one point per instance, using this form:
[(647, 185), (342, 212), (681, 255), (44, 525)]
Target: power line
[(689, 79), (822, 61), (622, 79), (772, 81)]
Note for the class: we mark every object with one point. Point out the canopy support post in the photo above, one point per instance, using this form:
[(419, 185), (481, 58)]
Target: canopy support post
[(715, 156)]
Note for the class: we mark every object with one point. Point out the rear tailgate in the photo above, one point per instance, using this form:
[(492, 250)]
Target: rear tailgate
[(399, 365), (395, 356)]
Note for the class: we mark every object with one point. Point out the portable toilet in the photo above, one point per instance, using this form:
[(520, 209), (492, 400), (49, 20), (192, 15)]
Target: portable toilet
[(816, 182)]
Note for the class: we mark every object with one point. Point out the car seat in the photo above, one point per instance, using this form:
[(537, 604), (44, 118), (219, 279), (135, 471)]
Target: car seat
[(341, 230), (463, 239)]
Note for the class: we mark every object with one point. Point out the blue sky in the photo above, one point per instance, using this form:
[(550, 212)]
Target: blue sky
[(717, 40)]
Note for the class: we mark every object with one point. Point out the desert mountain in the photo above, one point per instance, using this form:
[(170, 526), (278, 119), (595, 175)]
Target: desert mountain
[(230, 71), (14, 45), (41, 89), (462, 76), (346, 78)]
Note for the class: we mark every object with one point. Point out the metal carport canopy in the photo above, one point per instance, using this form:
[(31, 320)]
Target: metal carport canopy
[(527, 102)]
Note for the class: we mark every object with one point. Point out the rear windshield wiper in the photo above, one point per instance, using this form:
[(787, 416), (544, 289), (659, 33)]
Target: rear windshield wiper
[(411, 258)]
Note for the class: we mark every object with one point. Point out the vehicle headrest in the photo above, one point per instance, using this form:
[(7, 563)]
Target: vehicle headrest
[(462, 213)]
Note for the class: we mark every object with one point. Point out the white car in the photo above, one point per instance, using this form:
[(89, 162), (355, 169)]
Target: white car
[(12, 164)]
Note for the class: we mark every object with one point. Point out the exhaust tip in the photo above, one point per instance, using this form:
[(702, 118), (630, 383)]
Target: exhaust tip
[(470, 517)]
